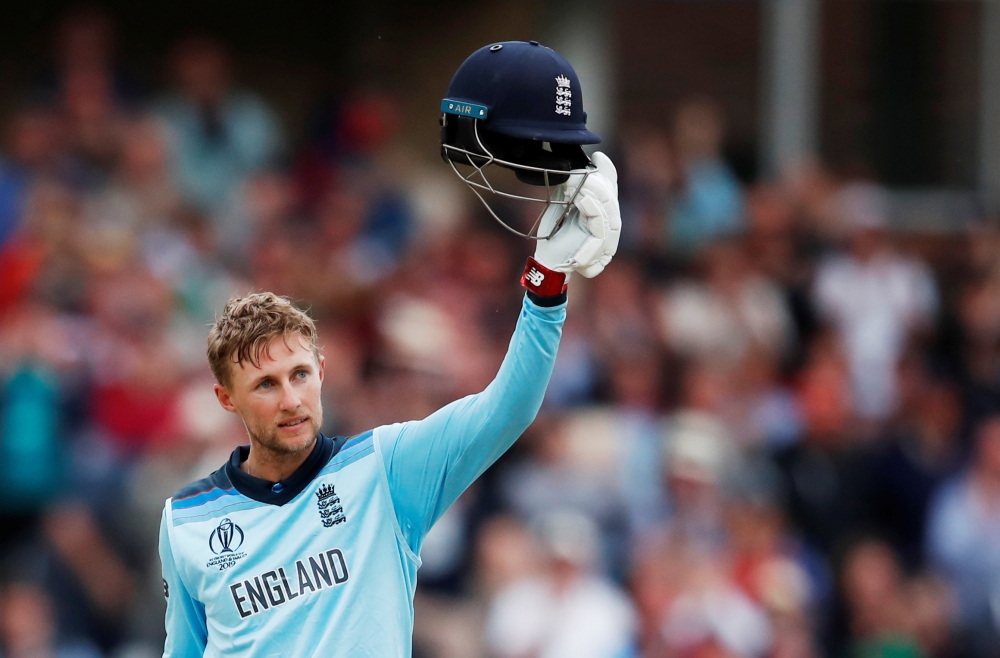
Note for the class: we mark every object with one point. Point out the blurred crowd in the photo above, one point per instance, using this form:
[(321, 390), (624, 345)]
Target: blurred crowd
[(773, 429)]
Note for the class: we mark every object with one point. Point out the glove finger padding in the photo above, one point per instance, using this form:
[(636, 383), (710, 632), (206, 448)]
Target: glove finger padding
[(614, 228), (589, 251), (592, 270), (593, 211), (606, 168), (591, 231), (609, 177), (600, 188), (606, 191), (598, 202)]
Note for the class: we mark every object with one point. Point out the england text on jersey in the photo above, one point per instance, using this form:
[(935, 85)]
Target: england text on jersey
[(275, 587)]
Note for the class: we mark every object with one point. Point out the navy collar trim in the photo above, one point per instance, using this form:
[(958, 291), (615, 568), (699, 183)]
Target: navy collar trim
[(279, 493)]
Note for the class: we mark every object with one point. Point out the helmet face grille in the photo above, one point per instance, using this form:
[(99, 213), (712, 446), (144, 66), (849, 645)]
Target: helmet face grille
[(550, 165), (558, 157), (481, 146), (460, 133)]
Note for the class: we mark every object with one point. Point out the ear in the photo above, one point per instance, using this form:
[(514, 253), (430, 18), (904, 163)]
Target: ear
[(224, 398), (322, 367)]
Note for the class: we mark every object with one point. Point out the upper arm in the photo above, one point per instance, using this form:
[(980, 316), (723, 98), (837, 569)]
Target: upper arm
[(430, 462), (187, 633)]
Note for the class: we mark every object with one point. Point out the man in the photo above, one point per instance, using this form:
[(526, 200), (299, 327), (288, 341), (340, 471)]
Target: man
[(963, 532), (565, 610), (875, 298), (304, 545)]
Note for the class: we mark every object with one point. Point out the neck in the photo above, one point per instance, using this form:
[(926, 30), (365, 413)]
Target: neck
[(274, 466)]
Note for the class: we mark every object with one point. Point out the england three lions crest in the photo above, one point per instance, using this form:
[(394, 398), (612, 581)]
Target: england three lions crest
[(331, 512), (564, 96)]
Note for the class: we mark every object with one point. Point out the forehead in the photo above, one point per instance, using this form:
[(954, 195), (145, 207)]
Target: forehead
[(280, 353)]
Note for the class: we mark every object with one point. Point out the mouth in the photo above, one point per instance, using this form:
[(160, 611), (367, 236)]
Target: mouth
[(293, 423)]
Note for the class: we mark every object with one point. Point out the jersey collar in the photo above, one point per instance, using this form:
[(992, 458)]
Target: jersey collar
[(279, 493)]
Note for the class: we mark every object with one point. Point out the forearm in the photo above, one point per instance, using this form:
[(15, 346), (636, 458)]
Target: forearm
[(501, 413), (430, 462)]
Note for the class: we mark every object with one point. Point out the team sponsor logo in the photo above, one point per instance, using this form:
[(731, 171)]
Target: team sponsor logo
[(564, 96), (465, 109), (534, 277), (225, 542), (331, 512), (278, 587)]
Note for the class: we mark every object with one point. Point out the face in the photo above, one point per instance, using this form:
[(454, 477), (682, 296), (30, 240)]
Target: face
[(278, 400)]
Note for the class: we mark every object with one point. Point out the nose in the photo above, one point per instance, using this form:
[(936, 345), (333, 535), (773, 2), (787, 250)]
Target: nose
[(290, 401)]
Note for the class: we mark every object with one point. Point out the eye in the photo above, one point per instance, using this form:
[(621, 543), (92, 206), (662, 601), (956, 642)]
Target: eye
[(264, 384), (301, 374)]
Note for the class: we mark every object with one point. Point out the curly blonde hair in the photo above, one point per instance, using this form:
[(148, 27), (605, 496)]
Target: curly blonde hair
[(248, 325)]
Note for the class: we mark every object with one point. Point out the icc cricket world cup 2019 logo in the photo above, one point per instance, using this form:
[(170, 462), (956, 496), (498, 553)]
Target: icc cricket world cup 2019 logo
[(225, 542), (224, 537)]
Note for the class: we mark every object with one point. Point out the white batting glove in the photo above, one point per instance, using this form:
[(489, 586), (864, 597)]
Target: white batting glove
[(588, 238)]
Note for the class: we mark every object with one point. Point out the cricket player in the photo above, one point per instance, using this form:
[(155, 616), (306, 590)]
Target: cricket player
[(306, 545)]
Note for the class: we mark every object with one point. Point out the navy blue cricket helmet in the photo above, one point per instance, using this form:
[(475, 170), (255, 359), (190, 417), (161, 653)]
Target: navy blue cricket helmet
[(518, 105)]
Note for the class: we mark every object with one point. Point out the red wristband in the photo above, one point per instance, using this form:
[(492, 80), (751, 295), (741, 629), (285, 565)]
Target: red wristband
[(541, 280)]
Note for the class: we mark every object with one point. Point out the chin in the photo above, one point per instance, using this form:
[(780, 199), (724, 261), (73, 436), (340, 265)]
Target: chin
[(292, 443), (301, 440)]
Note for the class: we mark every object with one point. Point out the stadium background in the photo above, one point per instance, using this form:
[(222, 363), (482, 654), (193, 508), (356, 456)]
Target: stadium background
[(774, 425)]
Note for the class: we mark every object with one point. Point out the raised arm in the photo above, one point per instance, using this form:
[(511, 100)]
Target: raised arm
[(429, 463)]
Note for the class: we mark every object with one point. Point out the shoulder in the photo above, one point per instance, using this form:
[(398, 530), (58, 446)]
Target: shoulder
[(346, 450), (203, 490), (346, 446), (356, 440)]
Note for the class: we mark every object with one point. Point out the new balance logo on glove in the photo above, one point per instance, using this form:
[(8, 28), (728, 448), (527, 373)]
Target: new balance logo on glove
[(541, 280)]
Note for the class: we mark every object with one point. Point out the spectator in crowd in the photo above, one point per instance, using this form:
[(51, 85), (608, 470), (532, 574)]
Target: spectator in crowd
[(761, 408), (566, 610), (819, 471), (904, 471), (710, 202), (727, 311), (648, 176), (977, 354), (218, 135), (712, 616), (962, 538), (699, 455), (28, 627), (875, 298), (14, 177), (874, 593), (568, 468), (770, 565)]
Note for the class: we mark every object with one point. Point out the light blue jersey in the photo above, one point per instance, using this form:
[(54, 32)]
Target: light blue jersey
[(325, 562)]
